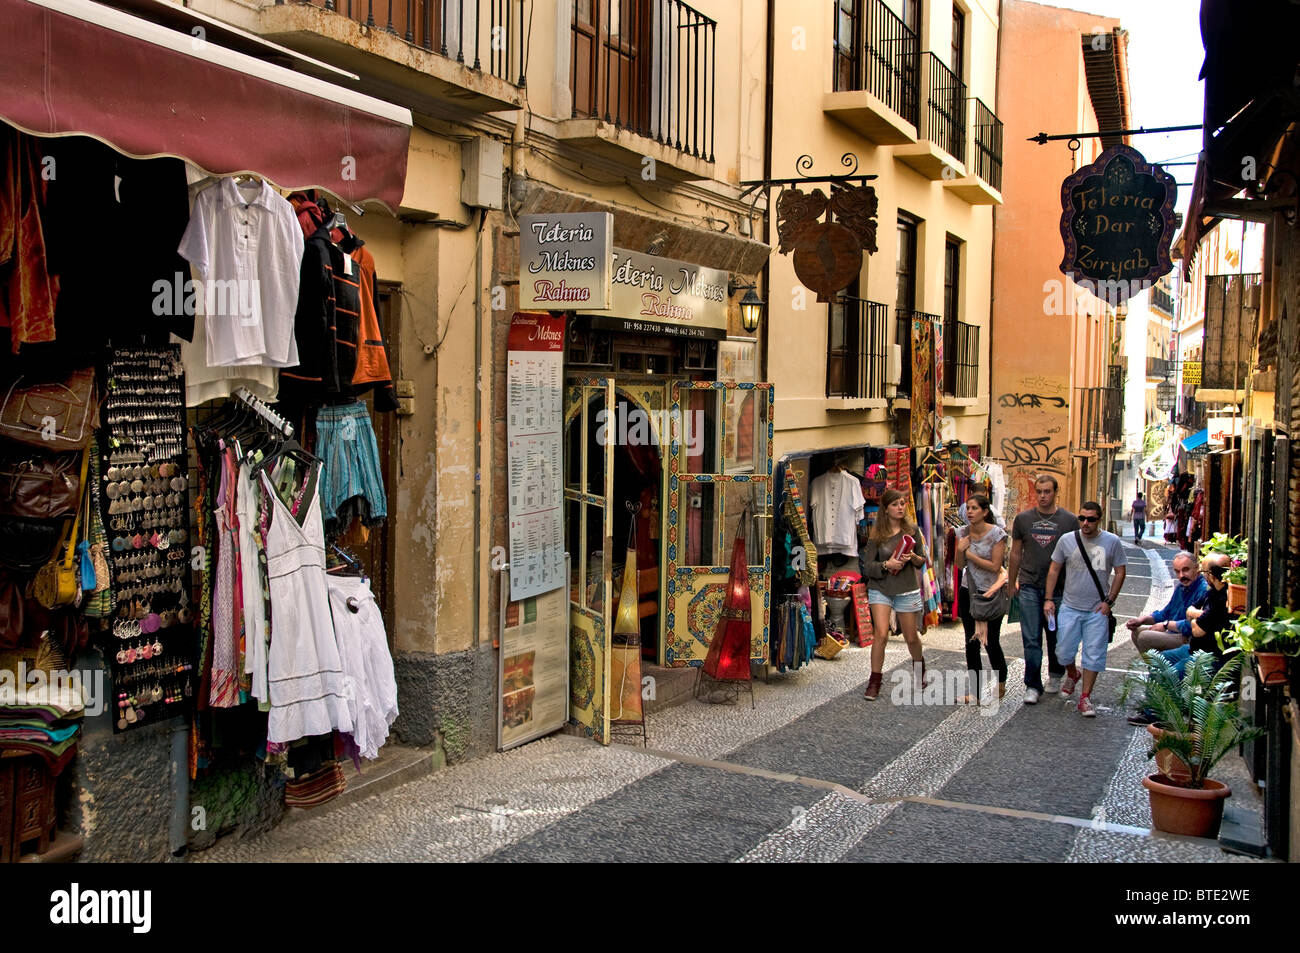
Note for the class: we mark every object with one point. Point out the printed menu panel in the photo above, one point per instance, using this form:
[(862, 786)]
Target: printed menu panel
[(535, 457)]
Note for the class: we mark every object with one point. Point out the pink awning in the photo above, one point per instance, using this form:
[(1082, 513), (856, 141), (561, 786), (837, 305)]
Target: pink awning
[(76, 67)]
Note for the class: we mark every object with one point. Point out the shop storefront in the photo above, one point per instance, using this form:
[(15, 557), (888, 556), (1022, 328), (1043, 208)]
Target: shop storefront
[(188, 429), (667, 455)]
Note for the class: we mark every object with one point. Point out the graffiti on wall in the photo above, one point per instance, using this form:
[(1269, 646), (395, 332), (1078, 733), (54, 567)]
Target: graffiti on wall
[(1029, 436)]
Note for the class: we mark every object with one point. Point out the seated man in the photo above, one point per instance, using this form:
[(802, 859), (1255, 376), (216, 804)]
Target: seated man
[(1209, 618), (1169, 628)]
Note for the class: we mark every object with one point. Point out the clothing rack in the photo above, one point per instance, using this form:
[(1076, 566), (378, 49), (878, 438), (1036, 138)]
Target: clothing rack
[(266, 413)]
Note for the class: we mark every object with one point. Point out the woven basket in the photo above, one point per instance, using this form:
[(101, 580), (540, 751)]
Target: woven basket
[(829, 647)]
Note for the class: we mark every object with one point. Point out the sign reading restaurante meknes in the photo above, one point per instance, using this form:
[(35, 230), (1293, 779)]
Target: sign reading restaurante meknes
[(1117, 221), (564, 260)]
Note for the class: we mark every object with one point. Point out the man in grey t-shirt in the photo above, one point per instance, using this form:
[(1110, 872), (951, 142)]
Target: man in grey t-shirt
[(1084, 611), (1033, 538)]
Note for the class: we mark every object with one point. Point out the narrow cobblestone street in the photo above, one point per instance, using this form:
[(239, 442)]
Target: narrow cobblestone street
[(812, 773)]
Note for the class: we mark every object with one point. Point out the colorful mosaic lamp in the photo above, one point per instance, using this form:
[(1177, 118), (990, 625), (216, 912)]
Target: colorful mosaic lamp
[(728, 658), (625, 645)]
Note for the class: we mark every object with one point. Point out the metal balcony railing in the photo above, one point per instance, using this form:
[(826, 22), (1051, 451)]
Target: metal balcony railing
[(456, 29), (877, 52), (987, 156), (961, 352), (649, 68), (1102, 416), (1162, 299), (856, 352), (943, 120), (1160, 369)]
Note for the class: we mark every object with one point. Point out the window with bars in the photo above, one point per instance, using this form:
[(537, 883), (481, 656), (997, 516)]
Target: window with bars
[(905, 302), (856, 341), (951, 309)]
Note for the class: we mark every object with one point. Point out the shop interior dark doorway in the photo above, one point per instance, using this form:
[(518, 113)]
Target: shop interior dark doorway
[(638, 478)]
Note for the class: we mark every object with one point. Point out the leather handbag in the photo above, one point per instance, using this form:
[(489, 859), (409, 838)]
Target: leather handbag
[(11, 612), (26, 544), (39, 486), (56, 583), (59, 415), (987, 608)]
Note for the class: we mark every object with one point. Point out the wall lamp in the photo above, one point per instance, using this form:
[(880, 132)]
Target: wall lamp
[(751, 305)]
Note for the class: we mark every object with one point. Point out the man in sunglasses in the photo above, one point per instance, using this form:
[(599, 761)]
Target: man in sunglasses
[(1083, 618)]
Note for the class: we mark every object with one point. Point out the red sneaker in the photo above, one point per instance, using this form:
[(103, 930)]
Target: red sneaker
[(1085, 707)]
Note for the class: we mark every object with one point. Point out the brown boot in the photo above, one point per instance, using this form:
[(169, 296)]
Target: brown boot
[(873, 687)]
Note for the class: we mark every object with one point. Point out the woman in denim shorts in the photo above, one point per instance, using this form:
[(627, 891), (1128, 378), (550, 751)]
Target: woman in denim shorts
[(893, 584)]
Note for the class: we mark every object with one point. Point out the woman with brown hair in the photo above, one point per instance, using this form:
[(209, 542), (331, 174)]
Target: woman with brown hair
[(981, 549), (893, 583)]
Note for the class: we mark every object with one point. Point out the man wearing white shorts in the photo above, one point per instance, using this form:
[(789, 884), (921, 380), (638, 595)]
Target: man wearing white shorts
[(1082, 622)]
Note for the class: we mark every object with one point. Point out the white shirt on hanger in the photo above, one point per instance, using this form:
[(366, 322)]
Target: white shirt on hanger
[(245, 242), (837, 506)]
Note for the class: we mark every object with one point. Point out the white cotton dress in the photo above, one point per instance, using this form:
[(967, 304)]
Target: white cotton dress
[(368, 680), (304, 672)]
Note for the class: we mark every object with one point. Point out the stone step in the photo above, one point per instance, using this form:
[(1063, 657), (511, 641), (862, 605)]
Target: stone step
[(395, 765)]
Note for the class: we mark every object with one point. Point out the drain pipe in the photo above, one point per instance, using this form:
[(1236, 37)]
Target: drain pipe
[(180, 784), (766, 277), (478, 427)]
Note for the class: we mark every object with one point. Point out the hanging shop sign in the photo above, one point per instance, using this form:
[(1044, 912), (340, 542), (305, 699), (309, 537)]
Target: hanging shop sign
[(564, 261), (827, 255), (1117, 220), (534, 665), (653, 295), (1219, 430), (535, 457), (1192, 373)]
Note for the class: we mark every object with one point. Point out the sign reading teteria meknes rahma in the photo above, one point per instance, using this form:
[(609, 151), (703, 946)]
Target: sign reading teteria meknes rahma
[(1117, 221), (564, 260), (652, 295)]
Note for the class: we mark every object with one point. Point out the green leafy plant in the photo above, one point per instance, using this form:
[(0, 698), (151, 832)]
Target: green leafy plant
[(1250, 633), (1233, 546), (1235, 576), (1198, 712)]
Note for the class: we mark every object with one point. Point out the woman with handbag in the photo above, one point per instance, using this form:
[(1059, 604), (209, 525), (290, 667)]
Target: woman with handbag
[(889, 560), (983, 597)]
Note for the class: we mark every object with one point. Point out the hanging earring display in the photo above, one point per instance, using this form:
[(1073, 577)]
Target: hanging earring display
[(144, 489)]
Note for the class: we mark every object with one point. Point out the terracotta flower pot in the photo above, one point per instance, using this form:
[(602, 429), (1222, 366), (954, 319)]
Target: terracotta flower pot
[(1169, 763), (1196, 812), (1272, 667), (1236, 597)]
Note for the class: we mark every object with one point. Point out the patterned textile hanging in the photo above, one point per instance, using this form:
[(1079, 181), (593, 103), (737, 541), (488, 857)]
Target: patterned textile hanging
[(728, 657), (922, 379), (792, 508)]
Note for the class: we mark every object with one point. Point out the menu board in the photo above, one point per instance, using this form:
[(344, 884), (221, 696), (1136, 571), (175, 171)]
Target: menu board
[(534, 666), (535, 458)]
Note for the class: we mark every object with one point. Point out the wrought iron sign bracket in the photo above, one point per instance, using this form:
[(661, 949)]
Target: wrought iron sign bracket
[(1043, 138), (760, 187)]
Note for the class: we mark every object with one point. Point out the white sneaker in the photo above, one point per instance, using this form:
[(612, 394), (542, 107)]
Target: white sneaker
[(1053, 685), (1031, 696)]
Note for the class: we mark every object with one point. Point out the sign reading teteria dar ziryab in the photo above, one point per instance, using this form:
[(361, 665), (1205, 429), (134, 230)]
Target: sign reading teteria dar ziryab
[(564, 260), (1117, 220)]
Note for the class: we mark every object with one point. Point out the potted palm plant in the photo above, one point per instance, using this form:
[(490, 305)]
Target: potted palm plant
[(1201, 726), (1271, 641)]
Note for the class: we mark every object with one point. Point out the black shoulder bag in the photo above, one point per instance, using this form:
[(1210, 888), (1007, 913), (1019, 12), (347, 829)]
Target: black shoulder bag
[(1110, 616)]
